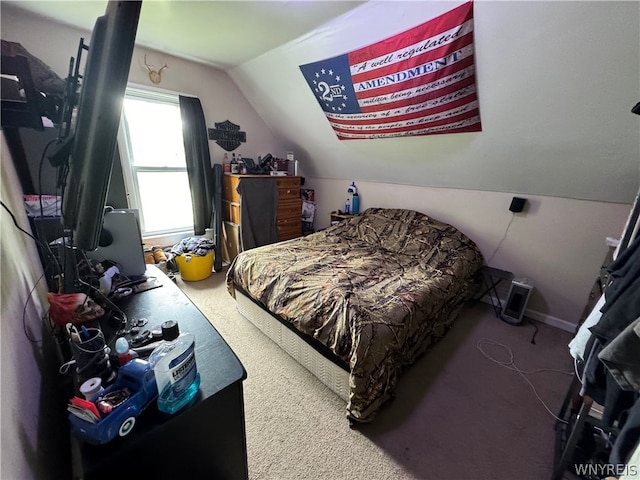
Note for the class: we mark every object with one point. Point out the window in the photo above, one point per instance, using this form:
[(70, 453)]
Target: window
[(153, 162)]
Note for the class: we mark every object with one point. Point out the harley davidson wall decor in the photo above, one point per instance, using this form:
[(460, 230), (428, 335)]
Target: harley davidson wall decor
[(227, 135)]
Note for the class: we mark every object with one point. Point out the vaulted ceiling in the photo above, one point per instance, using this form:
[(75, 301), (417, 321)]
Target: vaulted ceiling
[(221, 33)]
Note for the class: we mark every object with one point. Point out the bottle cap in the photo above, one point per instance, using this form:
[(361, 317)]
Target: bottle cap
[(170, 330), (122, 346)]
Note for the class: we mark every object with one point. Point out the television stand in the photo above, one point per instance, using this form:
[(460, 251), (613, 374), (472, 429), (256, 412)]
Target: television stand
[(205, 440)]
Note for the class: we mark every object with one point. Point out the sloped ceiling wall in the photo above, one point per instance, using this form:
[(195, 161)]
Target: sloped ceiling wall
[(556, 83)]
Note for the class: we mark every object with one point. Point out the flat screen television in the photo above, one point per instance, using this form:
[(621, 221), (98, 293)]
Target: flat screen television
[(97, 120)]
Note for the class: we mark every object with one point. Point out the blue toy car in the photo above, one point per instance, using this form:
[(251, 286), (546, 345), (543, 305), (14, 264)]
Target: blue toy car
[(138, 379)]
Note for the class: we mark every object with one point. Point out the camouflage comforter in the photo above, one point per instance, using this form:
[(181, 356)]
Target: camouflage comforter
[(377, 290)]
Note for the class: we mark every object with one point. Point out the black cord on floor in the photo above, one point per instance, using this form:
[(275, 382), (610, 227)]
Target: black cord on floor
[(533, 339)]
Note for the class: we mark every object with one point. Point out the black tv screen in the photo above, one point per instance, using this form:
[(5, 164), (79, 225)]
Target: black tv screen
[(98, 117)]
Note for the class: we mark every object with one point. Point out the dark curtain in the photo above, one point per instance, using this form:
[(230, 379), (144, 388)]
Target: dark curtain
[(196, 149)]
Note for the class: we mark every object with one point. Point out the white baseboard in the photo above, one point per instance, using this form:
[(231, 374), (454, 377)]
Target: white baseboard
[(541, 317), (550, 320)]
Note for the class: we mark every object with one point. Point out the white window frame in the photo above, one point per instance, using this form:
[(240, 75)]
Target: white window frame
[(169, 236)]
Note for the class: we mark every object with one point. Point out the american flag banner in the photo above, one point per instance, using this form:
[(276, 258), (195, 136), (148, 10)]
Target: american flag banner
[(419, 82)]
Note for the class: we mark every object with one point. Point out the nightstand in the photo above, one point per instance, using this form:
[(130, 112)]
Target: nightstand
[(339, 216)]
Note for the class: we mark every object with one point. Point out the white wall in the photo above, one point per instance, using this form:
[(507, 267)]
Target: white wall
[(30, 415), (556, 83)]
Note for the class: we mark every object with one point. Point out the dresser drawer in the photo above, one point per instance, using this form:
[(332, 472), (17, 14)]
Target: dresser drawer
[(288, 188), (229, 185), (290, 208), (288, 182), (289, 219), (286, 221), (230, 211), (290, 229)]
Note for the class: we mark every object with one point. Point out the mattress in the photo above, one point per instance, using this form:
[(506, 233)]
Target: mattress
[(336, 378)]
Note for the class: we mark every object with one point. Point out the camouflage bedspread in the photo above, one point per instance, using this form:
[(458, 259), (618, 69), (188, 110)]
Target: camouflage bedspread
[(377, 290)]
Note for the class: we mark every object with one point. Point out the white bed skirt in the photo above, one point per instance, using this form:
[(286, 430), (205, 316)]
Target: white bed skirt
[(334, 377)]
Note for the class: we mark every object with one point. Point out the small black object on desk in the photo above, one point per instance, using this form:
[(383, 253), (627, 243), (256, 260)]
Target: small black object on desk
[(206, 439)]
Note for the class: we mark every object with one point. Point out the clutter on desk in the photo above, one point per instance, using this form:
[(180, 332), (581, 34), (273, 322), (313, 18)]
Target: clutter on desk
[(74, 308), (175, 369), (92, 388), (123, 351), (90, 354), (114, 411), (84, 409)]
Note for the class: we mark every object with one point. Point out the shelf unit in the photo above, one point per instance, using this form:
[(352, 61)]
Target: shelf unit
[(578, 417)]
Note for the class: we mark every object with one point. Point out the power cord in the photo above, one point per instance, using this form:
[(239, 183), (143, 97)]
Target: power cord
[(30, 294), (40, 243), (510, 365), (501, 240)]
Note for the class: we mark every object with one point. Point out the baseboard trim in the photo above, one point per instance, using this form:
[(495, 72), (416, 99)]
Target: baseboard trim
[(542, 318), (550, 320)]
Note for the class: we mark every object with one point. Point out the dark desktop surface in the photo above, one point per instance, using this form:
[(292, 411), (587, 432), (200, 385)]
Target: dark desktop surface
[(207, 438)]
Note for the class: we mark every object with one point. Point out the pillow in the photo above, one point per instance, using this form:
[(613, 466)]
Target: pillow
[(403, 231)]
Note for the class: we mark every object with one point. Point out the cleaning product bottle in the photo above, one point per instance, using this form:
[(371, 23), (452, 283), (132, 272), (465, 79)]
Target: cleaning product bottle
[(174, 366), (355, 204)]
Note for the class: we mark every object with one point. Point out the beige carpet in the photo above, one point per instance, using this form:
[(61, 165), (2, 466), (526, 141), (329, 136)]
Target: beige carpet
[(456, 416)]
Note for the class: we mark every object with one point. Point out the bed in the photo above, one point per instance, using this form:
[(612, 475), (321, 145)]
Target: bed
[(360, 301)]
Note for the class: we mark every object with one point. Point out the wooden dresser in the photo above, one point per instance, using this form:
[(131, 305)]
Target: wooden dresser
[(288, 215)]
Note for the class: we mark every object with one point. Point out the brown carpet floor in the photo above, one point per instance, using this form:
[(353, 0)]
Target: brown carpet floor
[(457, 414)]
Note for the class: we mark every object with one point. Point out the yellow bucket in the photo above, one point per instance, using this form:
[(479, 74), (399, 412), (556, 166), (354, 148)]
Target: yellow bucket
[(195, 267)]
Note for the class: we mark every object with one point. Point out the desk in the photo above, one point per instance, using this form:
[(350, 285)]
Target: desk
[(207, 439)]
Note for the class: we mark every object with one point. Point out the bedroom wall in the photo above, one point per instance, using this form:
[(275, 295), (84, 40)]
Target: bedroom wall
[(557, 243), (35, 436), (556, 83)]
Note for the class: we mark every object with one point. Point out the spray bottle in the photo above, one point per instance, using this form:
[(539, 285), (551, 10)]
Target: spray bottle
[(355, 198)]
